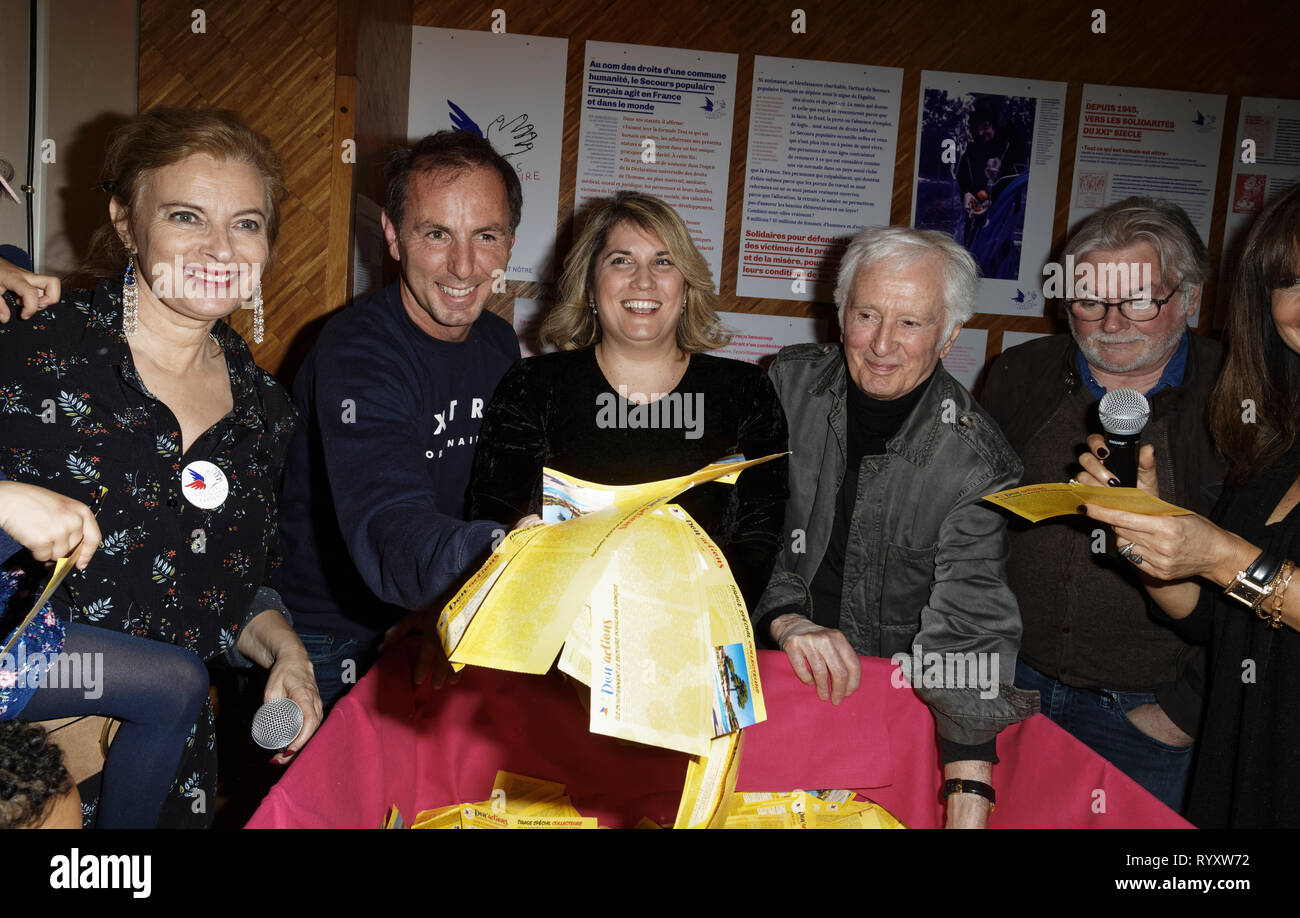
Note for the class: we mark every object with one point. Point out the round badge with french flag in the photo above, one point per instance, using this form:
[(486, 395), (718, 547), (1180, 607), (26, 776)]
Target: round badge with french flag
[(204, 485)]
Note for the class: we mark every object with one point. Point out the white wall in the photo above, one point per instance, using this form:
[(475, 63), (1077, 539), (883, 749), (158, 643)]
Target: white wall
[(91, 65), (13, 115), (88, 61)]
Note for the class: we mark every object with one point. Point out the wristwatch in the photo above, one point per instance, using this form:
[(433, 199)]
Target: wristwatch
[(1252, 585), (967, 786)]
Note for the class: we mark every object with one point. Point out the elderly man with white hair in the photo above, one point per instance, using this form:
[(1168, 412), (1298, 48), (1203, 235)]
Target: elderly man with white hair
[(889, 550)]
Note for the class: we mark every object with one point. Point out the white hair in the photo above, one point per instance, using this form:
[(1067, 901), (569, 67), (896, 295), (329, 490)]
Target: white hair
[(1162, 224), (961, 275)]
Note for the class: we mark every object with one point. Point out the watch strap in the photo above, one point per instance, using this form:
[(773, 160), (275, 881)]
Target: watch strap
[(1264, 568), (967, 786)]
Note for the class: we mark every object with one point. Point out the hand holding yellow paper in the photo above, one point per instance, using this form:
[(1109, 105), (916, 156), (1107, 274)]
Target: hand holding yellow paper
[(515, 612), (62, 567), (1042, 501), (641, 606)]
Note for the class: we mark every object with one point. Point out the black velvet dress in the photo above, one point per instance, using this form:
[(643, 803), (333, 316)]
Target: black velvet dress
[(1247, 771), (556, 411)]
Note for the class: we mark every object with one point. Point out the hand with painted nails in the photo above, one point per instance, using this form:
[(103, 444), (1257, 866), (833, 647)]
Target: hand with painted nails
[(1096, 474)]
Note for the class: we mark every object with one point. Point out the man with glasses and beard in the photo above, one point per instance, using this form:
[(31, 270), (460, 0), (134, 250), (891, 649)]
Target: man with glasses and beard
[(1109, 666)]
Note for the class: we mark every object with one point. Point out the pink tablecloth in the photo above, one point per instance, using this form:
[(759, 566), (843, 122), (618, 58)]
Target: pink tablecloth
[(372, 753)]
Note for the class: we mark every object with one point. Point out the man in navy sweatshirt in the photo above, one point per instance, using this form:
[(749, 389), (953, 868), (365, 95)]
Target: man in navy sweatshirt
[(392, 397)]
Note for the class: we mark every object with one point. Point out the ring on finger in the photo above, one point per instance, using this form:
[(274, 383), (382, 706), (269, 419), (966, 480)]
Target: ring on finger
[(1130, 552)]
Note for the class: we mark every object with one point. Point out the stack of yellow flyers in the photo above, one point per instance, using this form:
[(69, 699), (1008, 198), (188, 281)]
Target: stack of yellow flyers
[(517, 802), (826, 809), (639, 604)]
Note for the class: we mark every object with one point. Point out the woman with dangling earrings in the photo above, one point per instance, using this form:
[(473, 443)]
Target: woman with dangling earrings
[(137, 398)]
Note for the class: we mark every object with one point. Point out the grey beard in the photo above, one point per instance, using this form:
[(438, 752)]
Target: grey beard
[(1155, 351)]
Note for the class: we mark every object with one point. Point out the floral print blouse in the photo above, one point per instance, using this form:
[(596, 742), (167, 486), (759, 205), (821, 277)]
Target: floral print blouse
[(189, 541)]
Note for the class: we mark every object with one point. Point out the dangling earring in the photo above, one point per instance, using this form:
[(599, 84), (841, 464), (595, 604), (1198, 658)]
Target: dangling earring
[(592, 306), (130, 298), (257, 314)]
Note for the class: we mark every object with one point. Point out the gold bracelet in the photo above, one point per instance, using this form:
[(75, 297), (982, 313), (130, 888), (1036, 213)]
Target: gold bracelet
[(1283, 580), (1260, 603)]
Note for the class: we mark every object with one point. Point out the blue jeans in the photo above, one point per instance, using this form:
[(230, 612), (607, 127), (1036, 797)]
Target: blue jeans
[(1099, 719), (337, 661)]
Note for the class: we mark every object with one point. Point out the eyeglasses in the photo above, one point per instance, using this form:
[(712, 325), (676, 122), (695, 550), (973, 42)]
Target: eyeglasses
[(1137, 309)]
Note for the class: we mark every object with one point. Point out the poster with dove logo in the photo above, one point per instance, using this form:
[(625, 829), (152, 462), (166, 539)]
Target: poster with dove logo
[(508, 89)]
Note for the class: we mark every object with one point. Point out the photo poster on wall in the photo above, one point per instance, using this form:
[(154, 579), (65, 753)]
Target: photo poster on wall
[(658, 120), (1265, 163), (819, 167), (1156, 142), (988, 150), (520, 109)]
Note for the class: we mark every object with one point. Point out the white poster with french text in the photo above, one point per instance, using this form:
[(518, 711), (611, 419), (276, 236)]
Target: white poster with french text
[(1155, 142), (756, 338), (819, 167), (658, 120), (1265, 163), (965, 359)]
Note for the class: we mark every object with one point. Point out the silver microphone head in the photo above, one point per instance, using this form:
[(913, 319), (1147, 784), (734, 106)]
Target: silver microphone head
[(1123, 412), (277, 723)]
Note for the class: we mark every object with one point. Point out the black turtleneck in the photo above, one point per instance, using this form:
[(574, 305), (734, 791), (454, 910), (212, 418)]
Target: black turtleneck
[(869, 425)]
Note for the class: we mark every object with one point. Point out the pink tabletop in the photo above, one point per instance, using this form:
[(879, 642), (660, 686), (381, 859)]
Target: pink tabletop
[(371, 753)]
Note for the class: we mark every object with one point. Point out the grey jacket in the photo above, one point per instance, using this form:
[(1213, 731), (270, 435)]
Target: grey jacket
[(925, 568)]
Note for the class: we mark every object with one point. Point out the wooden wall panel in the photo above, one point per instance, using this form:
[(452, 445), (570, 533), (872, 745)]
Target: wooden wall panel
[(274, 64), (384, 83), (277, 61)]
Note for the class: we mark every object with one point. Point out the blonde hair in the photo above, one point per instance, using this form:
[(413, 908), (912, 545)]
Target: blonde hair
[(571, 324), (164, 136)]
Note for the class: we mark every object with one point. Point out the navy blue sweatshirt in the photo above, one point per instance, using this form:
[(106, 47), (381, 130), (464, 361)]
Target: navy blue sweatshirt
[(371, 517)]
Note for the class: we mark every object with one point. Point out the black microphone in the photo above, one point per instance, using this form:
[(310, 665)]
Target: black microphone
[(1123, 413), (277, 723)]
